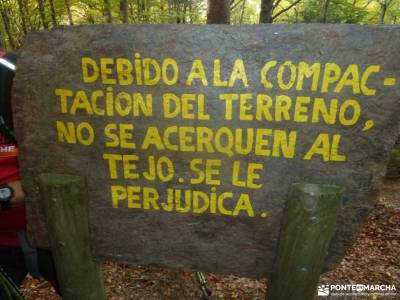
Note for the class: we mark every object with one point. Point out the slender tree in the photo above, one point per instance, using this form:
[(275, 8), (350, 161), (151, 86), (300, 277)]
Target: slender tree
[(218, 12), (3, 45), (325, 11), (22, 12), (124, 12), (107, 11), (27, 14), (53, 13), (68, 7), (242, 12), (190, 7), (185, 8), (42, 13), (7, 24), (384, 6), (142, 11)]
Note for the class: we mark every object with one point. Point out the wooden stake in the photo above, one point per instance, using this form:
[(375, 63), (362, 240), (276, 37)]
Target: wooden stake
[(308, 225), (65, 203)]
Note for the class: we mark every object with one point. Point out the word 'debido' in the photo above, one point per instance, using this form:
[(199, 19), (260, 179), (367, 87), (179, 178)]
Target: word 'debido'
[(149, 71)]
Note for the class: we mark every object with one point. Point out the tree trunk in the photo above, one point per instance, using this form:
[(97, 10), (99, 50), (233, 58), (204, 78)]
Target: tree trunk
[(68, 6), (325, 11), (383, 12), (53, 13), (296, 18), (190, 8), (42, 14), (145, 11), (107, 11), (184, 13), (177, 11), (27, 15), (123, 8), (131, 11), (242, 12), (142, 11), (138, 10), (3, 45), (22, 12), (7, 27), (267, 6), (218, 12)]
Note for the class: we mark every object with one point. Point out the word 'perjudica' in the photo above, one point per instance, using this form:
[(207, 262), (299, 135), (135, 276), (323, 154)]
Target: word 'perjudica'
[(181, 201)]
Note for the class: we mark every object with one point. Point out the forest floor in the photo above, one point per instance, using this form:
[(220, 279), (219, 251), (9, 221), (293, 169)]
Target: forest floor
[(373, 259)]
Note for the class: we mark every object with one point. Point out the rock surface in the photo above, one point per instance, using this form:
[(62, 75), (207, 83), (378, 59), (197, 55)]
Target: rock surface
[(240, 245)]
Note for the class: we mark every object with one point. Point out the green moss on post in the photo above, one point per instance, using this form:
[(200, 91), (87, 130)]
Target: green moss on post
[(65, 202), (308, 225)]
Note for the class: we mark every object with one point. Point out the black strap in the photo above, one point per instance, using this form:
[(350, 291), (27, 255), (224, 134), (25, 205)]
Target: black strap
[(30, 254), (6, 131)]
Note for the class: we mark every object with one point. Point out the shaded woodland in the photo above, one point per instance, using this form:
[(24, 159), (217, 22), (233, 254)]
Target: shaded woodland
[(18, 17)]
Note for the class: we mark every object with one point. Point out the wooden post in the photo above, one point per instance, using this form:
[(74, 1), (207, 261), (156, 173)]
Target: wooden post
[(307, 227), (64, 200)]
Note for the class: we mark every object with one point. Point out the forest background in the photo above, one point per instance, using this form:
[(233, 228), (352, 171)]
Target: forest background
[(18, 17)]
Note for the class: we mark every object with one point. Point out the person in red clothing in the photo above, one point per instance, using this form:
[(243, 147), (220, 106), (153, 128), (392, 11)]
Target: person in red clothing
[(17, 258), (12, 214)]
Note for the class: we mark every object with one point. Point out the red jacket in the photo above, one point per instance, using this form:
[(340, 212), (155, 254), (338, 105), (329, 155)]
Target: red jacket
[(11, 220)]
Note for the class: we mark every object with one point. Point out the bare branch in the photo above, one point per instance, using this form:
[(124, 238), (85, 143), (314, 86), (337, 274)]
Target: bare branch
[(285, 9), (367, 4), (235, 4)]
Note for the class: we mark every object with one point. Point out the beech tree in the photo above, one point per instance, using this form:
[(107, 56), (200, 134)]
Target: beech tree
[(218, 12)]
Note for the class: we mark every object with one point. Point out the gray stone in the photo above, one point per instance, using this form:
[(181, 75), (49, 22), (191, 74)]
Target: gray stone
[(207, 241)]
